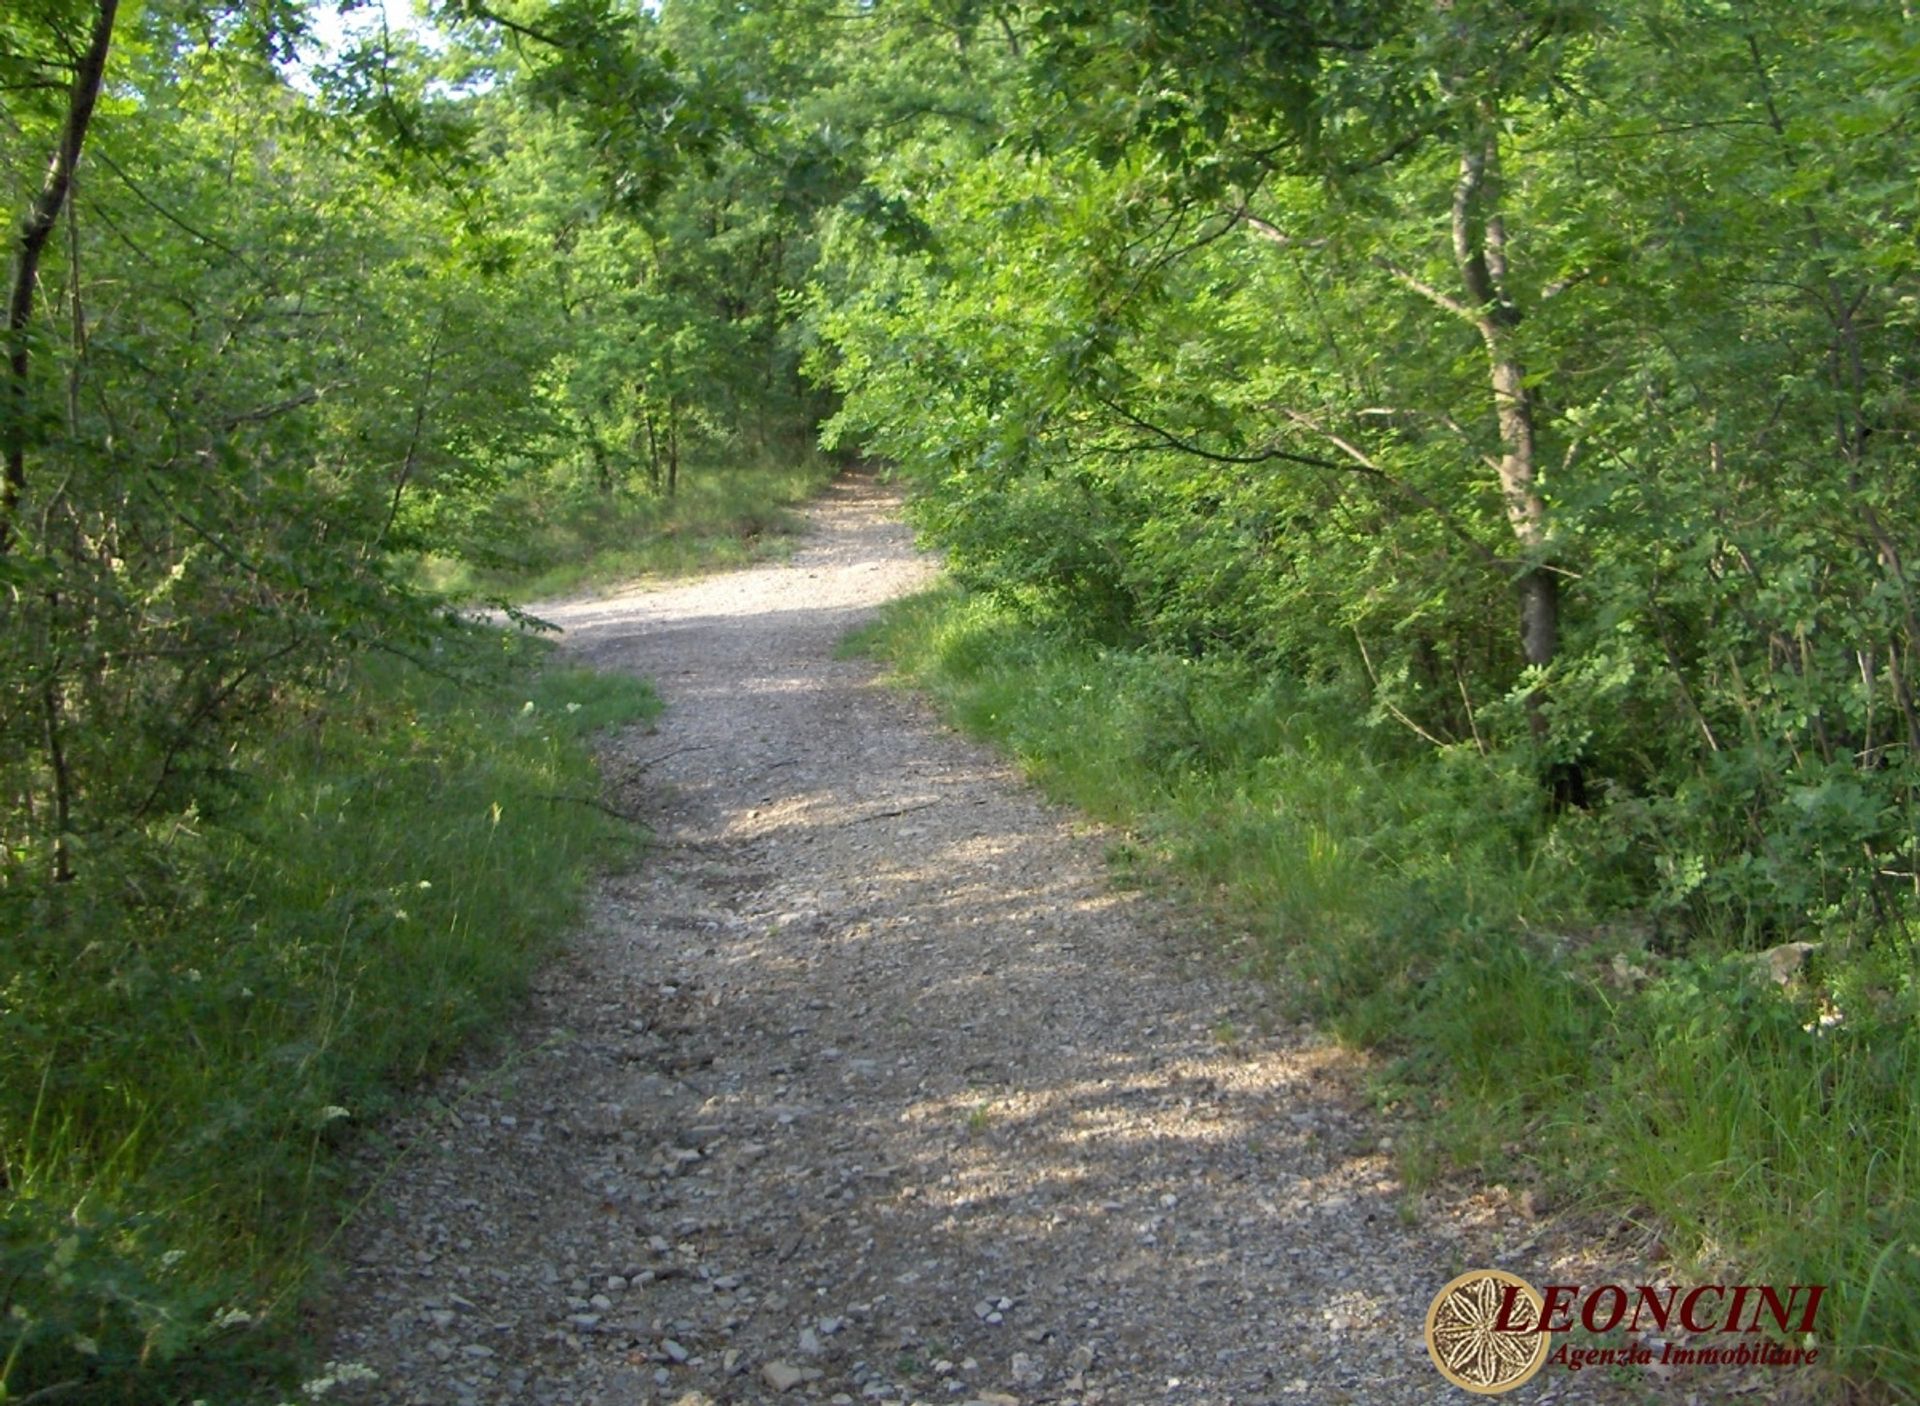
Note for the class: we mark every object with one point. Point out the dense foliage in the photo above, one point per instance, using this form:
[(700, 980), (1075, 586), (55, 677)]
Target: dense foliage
[(1545, 373), (1515, 400)]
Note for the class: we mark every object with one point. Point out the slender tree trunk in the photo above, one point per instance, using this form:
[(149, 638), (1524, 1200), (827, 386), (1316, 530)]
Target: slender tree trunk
[(1480, 252), (673, 446), (412, 457), (42, 217), (653, 453), (50, 711)]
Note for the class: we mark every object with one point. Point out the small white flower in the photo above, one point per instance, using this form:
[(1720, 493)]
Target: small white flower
[(171, 1258), (426, 883), (232, 1318), (526, 707), (333, 1113), (573, 707), (1830, 1015)]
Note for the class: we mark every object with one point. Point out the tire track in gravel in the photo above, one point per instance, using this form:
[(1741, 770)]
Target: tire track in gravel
[(866, 1085)]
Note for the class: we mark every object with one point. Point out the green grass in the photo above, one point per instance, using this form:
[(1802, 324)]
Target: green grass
[(197, 1024), (1426, 904), (556, 544)]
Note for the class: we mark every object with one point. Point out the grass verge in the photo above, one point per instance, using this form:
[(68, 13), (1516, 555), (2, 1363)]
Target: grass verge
[(553, 544), (1533, 1023), (194, 1025)]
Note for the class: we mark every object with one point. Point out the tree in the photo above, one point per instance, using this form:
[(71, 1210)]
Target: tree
[(42, 216)]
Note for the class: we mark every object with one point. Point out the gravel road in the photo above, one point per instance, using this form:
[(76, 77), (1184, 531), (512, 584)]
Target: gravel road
[(866, 1084)]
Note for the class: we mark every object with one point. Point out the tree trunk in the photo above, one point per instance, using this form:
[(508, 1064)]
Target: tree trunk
[(673, 446), (42, 216), (653, 453), (1480, 252)]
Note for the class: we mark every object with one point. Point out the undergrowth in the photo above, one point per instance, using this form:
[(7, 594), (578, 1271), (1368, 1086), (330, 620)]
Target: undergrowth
[(1533, 1019), (550, 544), (196, 1023)]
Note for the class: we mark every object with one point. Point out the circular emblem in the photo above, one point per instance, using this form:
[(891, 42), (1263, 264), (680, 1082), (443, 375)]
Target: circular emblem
[(1470, 1344)]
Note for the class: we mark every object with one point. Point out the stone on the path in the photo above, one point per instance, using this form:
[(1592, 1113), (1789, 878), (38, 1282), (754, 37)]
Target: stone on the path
[(782, 1376)]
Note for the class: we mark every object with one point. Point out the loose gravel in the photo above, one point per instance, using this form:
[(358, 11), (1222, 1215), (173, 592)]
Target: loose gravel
[(868, 1085)]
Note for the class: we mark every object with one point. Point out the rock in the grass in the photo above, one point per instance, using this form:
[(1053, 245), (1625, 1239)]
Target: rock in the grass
[(782, 1376)]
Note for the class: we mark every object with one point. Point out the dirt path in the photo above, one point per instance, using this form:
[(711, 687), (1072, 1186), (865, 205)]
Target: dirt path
[(867, 1085)]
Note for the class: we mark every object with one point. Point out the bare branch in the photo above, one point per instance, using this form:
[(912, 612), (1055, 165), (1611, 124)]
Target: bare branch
[(1363, 462), (1273, 234), (1433, 295), (1384, 701), (268, 412), (173, 219)]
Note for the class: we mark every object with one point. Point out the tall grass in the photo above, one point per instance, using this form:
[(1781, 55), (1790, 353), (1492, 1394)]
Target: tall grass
[(1426, 903), (551, 543), (194, 1026)]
